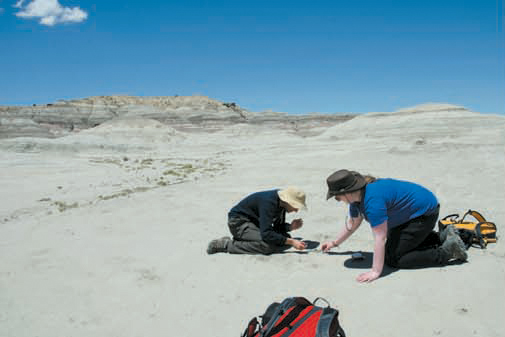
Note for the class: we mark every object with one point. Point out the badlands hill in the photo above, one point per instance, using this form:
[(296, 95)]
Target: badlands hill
[(181, 112)]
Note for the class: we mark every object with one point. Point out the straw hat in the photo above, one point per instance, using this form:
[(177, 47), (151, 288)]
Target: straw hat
[(344, 181), (293, 196)]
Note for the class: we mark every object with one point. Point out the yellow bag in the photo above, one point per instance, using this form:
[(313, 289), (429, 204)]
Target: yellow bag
[(479, 232)]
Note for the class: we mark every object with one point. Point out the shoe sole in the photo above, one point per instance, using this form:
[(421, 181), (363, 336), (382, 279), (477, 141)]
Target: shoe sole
[(457, 248), (215, 245)]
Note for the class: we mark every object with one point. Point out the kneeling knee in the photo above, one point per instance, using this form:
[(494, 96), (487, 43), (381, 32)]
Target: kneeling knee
[(391, 261)]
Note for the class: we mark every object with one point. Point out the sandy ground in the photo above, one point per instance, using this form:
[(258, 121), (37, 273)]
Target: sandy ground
[(103, 233)]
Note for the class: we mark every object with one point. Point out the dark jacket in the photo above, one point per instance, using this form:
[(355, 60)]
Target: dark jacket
[(264, 210)]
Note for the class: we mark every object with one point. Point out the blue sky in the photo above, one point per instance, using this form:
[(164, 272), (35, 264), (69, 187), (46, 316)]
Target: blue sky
[(290, 56)]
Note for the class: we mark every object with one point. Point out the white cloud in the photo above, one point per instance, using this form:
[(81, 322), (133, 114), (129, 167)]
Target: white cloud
[(19, 4), (50, 12)]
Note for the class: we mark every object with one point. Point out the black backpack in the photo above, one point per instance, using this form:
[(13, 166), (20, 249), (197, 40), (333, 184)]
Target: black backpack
[(296, 316)]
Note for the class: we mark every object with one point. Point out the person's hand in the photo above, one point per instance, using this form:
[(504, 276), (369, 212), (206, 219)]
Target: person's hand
[(368, 276), (298, 245), (296, 224), (325, 247)]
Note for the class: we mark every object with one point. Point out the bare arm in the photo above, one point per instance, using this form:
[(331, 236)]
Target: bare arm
[(350, 227), (380, 233)]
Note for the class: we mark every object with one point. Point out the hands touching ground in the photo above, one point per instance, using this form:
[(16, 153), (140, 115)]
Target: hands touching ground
[(367, 277), (325, 247), (297, 244)]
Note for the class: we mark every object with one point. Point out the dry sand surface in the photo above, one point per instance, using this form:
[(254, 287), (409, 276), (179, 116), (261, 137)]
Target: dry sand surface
[(104, 232)]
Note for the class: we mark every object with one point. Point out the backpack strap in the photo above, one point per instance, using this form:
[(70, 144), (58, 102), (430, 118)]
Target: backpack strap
[(302, 320), (267, 315), (326, 326), (281, 309), (252, 328), (276, 315), (452, 217), (321, 299), (479, 237), (483, 238), (477, 216)]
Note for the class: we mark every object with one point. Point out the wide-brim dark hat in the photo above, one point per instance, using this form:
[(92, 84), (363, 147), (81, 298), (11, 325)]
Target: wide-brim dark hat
[(344, 181)]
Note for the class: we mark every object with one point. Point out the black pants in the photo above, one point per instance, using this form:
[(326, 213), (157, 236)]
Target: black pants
[(414, 244), (247, 239)]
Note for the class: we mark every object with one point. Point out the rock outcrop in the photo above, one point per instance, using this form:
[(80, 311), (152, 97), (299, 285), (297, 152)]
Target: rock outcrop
[(180, 112), (53, 120)]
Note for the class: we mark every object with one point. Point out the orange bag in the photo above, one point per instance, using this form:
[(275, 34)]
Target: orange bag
[(479, 232)]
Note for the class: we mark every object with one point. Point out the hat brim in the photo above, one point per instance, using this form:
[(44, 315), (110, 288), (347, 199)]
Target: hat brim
[(360, 183), (297, 205), (293, 203)]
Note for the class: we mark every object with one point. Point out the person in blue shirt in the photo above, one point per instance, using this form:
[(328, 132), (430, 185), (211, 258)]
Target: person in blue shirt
[(258, 223), (402, 215)]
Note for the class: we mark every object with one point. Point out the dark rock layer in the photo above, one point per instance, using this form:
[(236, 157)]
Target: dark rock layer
[(180, 112)]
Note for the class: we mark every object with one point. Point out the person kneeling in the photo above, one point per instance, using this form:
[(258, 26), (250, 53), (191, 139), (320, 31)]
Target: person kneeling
[(258, 223), (402, 215)]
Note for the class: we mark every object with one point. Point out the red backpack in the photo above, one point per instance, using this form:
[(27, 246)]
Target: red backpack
[(296, 317)]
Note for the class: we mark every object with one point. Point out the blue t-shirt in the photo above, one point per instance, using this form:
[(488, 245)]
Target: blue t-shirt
[(394, 200)]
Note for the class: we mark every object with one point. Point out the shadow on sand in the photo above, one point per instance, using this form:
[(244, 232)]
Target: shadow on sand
[(367, 261), (362, 263), (310, 246)]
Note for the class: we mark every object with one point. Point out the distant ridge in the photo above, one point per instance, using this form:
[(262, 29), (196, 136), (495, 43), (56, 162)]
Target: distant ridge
[(180, 112), (163, 102), (433, 107)]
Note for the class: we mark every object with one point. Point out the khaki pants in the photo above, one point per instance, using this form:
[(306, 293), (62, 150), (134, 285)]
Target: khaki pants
[(247, 239)]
